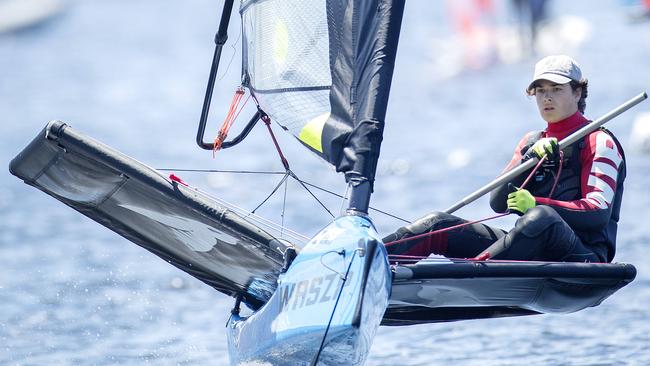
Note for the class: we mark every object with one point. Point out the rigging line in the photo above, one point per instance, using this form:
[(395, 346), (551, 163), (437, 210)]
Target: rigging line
[(222, 171), (431, 233), (341, 275), (267, 120), (294, 176), (345, 197), (272, 192), (390, 215), (559, 172), (297, 237), (532, 172), (258, 219), (338, 297), (435, 232), (452, 261), (230, 119), (260, 172), (284, 205), (253, 217), (420, 257), (232, 55)]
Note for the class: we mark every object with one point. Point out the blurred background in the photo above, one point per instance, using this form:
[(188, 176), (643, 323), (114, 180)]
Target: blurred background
[(132, 74)]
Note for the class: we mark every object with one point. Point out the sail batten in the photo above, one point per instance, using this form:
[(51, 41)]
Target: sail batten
[(289, 90)]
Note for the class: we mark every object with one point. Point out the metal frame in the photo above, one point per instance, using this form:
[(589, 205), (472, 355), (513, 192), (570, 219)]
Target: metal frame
[(220, 40)]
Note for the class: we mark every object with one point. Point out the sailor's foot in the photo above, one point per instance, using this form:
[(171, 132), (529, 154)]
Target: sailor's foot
[(417, 227)]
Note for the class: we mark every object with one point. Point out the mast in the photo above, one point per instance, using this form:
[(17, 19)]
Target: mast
[(359, 198)]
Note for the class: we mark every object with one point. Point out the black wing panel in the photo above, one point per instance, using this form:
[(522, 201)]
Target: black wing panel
[(180, 225), (431, 292)]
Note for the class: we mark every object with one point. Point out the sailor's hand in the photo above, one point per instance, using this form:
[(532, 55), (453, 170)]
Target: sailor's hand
[(546, 146), (520, 201)]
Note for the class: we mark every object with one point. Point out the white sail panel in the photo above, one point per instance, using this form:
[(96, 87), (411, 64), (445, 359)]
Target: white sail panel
[(322, 69), (287, 59)]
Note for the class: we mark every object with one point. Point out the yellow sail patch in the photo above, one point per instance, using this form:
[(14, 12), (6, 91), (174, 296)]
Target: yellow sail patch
[(311, 134), (280, 42)]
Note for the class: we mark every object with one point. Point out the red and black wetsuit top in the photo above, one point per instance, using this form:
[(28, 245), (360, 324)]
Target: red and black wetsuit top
[(590, 187)]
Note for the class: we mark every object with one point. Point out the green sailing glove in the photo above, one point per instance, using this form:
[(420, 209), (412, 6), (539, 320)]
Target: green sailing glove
[(546, 146), (520, 201)]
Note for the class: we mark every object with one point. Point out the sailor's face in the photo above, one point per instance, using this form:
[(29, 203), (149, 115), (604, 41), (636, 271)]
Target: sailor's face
[(556, 101)]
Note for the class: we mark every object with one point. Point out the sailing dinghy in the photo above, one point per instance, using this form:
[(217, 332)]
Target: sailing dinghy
[(322, 70), (212, 242)]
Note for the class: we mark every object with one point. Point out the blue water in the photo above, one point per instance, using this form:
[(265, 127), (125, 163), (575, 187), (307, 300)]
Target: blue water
[(132, 74)]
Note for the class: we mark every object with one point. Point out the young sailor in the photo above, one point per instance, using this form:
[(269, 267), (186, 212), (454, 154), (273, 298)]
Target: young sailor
[(569, 209)]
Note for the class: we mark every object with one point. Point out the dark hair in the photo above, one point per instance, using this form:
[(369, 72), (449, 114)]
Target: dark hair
[(582, 104)]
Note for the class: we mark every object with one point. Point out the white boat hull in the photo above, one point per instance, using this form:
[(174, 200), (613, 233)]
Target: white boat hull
[(334, 294)]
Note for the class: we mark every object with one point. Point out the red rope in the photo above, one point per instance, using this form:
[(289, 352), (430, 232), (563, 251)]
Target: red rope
[(400, 258), (532, 173), (232, 115), (435, 232), (267, 121), (445, 229), (557, 177)]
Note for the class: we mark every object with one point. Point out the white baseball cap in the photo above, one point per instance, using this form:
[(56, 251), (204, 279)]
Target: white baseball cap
[(559, 69)]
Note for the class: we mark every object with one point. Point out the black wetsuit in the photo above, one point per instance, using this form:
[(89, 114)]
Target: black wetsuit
[(576, 224)]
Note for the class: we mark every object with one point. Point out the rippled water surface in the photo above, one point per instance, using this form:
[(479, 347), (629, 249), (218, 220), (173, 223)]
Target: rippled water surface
[(132, 74)]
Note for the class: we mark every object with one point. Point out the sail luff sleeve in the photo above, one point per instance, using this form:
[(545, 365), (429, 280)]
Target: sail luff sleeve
[(375, 48)]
